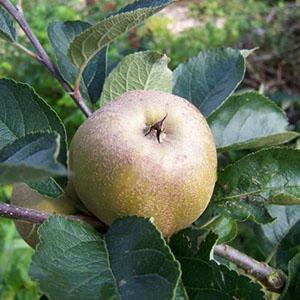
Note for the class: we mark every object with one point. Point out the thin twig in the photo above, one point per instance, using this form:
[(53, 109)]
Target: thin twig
[(27, 51), (37, 217), (19, 6), (272, 279), (43, 56)]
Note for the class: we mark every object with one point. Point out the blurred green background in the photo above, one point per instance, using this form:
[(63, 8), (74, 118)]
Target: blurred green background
[(180, 31)]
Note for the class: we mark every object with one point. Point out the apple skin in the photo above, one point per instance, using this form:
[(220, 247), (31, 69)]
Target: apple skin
[(118, 170), (24, 196), (70, 193)]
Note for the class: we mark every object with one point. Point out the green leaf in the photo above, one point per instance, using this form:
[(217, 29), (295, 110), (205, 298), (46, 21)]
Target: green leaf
[(289, 247), (23, 112), (292, 288), (61, 34), (88, 43), (71, 262), (270, 176), (125, 264), (31, 157), (143, 4), (181, 293), (271, 235), (207, 216), (247, 121), (139, 71), (94, 75), (202, 277), (225, 228), (140, 259), (7, 28), (208, 79), (49, 186)]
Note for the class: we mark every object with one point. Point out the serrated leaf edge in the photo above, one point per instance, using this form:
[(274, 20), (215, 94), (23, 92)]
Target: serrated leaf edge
[(55, 155), (18, 83), (164, 243), (162, 59)]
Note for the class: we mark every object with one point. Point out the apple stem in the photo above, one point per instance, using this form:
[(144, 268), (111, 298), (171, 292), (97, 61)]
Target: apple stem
[(158, 127), (273, 279)]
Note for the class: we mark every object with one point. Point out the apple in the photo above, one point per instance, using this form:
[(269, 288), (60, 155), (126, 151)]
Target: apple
[(24, 196), (148, 154), (70, 193)]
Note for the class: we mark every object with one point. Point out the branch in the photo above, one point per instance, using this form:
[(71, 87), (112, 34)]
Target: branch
[(37, 217), (43, 57), (273, 279)]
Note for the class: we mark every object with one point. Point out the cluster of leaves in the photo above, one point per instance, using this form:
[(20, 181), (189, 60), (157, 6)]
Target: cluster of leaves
[(273, 25), (72, 260), (15, 64), (219, 23)]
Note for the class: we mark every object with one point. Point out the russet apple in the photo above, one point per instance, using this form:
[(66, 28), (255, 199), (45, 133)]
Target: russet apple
[(24, 196), (148, 154)]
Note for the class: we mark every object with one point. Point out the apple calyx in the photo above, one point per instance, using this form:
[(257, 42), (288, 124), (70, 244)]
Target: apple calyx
[(158, 127)]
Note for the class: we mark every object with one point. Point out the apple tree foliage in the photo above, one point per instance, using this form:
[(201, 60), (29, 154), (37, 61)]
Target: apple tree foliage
[(132, 260)]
